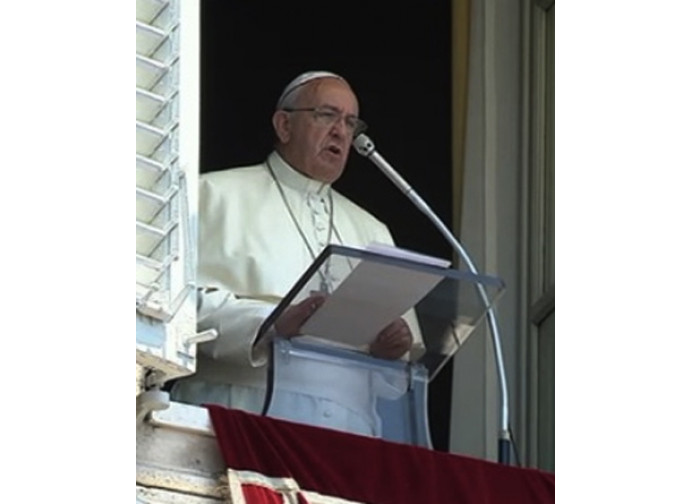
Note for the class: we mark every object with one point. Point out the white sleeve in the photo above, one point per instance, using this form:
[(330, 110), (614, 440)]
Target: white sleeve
[(237, 321)]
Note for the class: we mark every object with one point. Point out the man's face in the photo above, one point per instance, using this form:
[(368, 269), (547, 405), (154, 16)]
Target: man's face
[(316, 145)]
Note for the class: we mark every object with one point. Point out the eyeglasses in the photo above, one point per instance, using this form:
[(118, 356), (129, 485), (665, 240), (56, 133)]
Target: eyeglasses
[(328, 116)]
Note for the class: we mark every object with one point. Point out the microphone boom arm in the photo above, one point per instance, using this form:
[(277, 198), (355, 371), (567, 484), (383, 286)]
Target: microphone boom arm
[(365, 147)]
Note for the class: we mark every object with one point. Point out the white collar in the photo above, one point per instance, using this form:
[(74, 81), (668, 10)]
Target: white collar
[(290, 177)]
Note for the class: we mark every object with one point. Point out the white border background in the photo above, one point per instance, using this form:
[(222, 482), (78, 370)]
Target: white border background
[(623, 202)]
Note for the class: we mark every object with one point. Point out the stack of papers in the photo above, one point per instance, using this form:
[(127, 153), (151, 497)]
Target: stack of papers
[(372, 296)]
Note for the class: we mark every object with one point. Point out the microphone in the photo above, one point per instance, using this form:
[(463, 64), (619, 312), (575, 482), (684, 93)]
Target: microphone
[(365, 147)]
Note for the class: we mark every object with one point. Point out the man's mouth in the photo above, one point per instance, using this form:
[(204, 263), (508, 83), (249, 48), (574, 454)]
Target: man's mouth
[(334, 149)]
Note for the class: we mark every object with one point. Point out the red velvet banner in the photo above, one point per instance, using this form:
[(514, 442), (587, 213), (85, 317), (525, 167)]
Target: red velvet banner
[(369, 470)]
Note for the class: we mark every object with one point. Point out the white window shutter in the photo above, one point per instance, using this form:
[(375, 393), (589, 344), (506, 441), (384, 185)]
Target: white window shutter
[(167, 137)]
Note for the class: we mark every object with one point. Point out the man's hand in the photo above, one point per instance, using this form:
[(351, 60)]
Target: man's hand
[(288, 323), (393, 341)]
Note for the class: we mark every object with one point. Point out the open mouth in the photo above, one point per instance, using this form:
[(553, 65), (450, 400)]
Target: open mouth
[(334, 149)]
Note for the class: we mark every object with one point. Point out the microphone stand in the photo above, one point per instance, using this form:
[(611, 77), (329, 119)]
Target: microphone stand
[(364, 146)]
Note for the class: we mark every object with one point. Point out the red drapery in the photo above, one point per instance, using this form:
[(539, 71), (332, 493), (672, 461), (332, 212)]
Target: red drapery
[(365, 469)]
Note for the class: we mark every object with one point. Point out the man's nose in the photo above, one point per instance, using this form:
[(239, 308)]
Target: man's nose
[(340, 125)]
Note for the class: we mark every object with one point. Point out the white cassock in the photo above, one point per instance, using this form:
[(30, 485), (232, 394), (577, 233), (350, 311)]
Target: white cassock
[(253, 226)]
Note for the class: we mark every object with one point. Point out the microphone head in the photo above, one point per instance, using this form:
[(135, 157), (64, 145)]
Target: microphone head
[(363, 145)]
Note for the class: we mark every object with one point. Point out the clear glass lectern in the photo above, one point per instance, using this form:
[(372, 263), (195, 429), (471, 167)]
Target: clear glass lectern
[(326, 377)]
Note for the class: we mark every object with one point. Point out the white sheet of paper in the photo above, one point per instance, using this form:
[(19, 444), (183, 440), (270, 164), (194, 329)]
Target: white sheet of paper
[(401, 253), (372, 296)]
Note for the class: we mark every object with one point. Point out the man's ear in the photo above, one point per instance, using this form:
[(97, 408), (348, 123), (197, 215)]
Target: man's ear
[(281, 125)]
